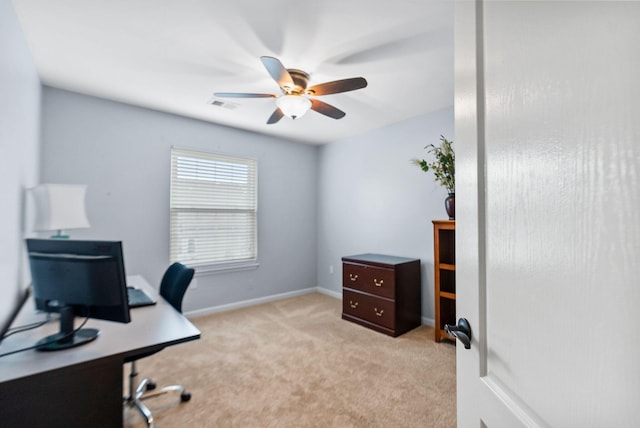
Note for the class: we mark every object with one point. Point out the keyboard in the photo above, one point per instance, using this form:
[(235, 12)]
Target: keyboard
[(138, 298)]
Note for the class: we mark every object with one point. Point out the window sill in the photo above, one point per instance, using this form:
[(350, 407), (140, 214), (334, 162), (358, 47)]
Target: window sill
[(211, 269)]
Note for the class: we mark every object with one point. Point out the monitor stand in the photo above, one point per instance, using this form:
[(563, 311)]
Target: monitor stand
[(66, 338)]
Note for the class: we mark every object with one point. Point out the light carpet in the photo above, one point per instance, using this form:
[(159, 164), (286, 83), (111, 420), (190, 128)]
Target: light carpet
[(296, 363)]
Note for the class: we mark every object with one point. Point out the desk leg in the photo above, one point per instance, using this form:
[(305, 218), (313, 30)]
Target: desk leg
[(85, 395)]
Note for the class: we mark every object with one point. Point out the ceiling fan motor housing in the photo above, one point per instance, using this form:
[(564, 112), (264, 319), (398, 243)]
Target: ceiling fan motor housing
[(300, 80)]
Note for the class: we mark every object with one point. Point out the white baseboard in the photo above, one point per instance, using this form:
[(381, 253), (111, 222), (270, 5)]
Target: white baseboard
[(428, 321), (331, 293), (250, 302), (274, 297)]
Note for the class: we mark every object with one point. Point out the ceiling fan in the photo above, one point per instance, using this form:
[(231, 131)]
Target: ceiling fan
[(296, 96)]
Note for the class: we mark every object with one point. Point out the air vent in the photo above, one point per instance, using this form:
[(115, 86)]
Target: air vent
[(224, 104)]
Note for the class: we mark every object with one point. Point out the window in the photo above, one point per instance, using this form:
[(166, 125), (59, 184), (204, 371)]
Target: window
[(214, 207)]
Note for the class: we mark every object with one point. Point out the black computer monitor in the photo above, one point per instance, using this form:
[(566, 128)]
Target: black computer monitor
[(77, 278)]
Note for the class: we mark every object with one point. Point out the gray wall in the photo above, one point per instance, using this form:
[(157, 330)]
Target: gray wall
[(123, 154), (19, 141), (373, 200), (316, 204)]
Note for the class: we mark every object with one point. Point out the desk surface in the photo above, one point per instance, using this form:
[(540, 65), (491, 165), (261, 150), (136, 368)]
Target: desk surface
[(151, 328)]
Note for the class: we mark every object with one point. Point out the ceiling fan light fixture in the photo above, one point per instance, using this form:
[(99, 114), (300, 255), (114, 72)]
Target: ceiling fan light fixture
[(293, 106)]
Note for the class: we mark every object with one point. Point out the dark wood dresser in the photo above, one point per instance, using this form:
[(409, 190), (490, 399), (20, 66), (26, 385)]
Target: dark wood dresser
[(382, 292)]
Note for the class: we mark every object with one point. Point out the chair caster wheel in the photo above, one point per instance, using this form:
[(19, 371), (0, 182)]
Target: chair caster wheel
[(185, 396), (151, 386)]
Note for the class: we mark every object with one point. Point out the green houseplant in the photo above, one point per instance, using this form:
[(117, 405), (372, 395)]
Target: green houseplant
[(443, 167)]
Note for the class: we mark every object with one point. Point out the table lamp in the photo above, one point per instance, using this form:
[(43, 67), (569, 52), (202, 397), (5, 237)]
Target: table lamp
[(60, 207)]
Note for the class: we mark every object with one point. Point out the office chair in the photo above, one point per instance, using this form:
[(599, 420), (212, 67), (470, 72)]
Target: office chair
[(175, 282)]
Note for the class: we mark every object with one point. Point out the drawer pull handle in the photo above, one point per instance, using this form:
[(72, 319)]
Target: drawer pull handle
[(353, 277), (378, 312), (378, 284), (353, 305)]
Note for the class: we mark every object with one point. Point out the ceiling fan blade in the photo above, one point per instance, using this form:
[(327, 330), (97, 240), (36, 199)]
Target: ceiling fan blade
[(242, 95), (275, 117), (278, 72), (327, 109), (337, 86)]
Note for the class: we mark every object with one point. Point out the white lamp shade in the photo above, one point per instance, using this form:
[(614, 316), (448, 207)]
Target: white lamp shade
[(293, 105), (60, 206)]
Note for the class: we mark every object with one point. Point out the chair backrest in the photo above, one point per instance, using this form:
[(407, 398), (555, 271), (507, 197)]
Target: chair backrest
[(175, 282)]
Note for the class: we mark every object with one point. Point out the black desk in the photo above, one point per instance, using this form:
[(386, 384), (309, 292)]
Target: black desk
[(83, 386)]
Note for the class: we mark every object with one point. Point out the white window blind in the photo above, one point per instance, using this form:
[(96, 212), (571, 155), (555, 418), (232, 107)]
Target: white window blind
[(214, 207)]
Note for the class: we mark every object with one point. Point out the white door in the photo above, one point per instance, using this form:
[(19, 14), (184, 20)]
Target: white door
[(548, 213)]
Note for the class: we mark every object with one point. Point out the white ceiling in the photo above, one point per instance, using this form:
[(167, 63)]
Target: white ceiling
[(172, 55)]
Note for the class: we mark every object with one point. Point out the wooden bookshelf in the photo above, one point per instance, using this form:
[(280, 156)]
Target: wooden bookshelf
[(444, 248)]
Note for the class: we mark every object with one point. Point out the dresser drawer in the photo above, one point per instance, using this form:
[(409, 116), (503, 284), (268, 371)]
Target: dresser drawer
[(369, 308), (370, 279)]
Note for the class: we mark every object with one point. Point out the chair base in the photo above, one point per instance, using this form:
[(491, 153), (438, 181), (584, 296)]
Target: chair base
[(147, 389)]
